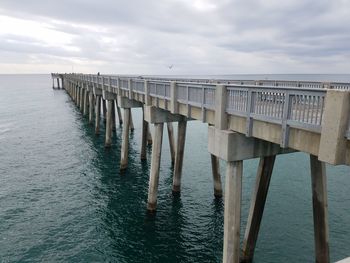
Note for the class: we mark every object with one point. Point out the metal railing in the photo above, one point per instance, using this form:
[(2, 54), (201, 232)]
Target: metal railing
[(289, 103), (296, 107), (159, 89), (202, 96)]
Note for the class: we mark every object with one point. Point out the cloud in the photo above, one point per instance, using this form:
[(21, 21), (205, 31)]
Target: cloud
[(198, 37)]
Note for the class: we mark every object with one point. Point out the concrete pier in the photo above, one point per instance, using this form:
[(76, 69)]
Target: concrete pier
[(247, 119)]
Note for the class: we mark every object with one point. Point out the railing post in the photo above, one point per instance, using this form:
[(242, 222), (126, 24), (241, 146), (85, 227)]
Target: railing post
[(173, 95), (250, 107), (118, 87), (148, 101), (109, 84), (286, 115), (220, 107), (130, 88)]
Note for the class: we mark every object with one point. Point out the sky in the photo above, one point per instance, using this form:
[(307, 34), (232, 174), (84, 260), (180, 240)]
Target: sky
[(175, 36)]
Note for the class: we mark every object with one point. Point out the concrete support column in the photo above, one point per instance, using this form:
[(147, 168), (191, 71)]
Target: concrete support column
[(149, 136), (114, 127), (334, 126), (78, 96), (104, 110), (120, 118), (320, 209), (257, 205), (73, 92), (58, 83), (97, 114), (132, 128), (181, 137), (215, 167), (81, 106), (108, 140), (232, 213), (125, 140), (144, 136), (86, 94), (171, 141), (155, 165), (91, 107)]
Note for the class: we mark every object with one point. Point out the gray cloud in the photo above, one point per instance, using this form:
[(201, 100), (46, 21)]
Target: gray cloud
[(252, 36)]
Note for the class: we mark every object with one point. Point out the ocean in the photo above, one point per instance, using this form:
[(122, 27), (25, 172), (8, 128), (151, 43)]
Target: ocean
[(63, 198)]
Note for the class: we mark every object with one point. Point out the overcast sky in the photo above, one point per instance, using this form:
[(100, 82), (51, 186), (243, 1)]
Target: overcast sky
[(196, 36)]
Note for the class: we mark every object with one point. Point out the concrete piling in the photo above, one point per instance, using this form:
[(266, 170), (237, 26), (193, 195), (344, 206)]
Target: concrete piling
[(125, 140), (215, 167), (320, 209), (181, 138), (120, 118), (91, 107), (232, 213), (108, 140), (114, 127), (257, 205), (149, 136), (86, 94), (171, 141), (132, 128), (104, 110), (97, 114), (155, 165), (81, 102), (144, 136)]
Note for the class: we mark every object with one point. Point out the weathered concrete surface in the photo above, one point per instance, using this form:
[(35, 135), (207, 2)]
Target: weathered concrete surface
[(124, 102), (156, 115), (180, 148), (232, 213), (320, 209), (155, 166), (215, 168), (334, 126), (125, 140), (232, 146), (108, 139), (257, 205)]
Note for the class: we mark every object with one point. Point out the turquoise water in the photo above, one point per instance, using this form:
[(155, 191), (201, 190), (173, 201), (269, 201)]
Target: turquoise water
[(63, 199)]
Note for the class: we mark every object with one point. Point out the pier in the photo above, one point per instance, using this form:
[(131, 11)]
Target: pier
[(246, 119)]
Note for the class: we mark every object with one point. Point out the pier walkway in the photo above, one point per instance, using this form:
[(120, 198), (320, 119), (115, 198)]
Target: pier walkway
[(246, 119)]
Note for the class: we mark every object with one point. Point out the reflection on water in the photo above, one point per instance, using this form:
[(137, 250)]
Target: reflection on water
[(63, 199)]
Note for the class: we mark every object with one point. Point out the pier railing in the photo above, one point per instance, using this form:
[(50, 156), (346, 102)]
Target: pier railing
[(298, 104)]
